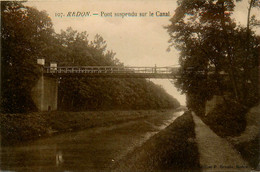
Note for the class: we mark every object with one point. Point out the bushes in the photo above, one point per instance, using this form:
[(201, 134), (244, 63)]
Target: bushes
[(17, 128), (250, 151), (230, 119), (112, 94), (227, 119)]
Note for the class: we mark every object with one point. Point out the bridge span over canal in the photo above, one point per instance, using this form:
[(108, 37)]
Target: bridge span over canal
[(111, 71), (45, 92)]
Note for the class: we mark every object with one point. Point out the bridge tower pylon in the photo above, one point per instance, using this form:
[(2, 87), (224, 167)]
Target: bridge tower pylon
[(45, 92)]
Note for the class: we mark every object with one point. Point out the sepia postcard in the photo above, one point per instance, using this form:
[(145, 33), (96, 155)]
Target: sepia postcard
[(130, 85)]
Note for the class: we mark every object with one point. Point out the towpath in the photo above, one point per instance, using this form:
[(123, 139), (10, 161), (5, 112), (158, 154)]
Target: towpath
[(216, 154)]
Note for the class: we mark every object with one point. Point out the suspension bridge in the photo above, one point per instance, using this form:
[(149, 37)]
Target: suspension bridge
[(45, 91), (112, 71)]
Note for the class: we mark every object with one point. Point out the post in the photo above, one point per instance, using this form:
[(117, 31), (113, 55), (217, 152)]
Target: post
[(45, 92)]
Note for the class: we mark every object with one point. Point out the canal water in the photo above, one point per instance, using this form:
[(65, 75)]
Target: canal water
[(91, 149)]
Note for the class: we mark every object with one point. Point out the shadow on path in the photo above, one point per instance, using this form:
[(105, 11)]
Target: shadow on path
[(216, 154)]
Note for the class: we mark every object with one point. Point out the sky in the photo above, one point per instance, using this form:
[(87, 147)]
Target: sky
[(137, 41)]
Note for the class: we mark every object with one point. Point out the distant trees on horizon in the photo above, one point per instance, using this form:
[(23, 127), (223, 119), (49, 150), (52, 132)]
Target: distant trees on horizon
[(27, 34)]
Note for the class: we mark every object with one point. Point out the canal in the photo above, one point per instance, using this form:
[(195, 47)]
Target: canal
[(91, 149)]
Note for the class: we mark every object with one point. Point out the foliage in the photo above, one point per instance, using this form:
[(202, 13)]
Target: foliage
[(214, 58), (27, 34), (227, 120), (250, 152), (103, 93), (17, 128)]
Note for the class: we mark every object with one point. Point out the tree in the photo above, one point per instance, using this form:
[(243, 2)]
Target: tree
[(103, 93), (251, 21), (210, 45), (25, 35), (195, 27)]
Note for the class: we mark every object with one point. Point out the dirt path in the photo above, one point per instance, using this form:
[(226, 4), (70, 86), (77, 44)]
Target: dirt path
[(216, 154)]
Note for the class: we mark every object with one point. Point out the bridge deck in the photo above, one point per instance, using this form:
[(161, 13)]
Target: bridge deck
[(112, 71)]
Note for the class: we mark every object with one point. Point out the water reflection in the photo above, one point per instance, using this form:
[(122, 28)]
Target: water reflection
[(59, 158), (92, 149)]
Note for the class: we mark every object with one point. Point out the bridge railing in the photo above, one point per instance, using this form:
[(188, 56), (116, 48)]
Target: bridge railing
[(111, 69)]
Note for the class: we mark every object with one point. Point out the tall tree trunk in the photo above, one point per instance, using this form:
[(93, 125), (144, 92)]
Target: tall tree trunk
[(245, 63), (230, 60)]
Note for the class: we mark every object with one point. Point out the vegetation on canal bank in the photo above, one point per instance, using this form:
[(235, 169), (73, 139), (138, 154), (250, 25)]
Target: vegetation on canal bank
[(250, 151), (17, 128), (229, 120), (226, 119), (218, 56), (248, 142), (174, 148), (28, 34)]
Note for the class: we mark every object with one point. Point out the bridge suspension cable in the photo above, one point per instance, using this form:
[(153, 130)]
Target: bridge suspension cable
[(113, 71)]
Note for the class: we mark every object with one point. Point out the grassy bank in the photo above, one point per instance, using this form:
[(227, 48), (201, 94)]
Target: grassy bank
[(226, 119), (17, 128), (248, 142), (250, 152), (231, 121), (174, 148)]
